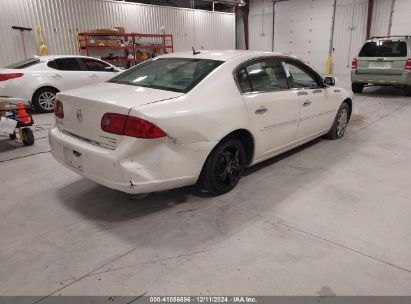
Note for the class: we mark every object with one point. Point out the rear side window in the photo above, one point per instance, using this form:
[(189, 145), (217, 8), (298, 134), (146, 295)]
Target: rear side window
[(384, 48), (65, 64), (23, 64)]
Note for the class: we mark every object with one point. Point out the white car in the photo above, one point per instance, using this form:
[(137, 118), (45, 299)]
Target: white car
[(187, 118), (37, 80)]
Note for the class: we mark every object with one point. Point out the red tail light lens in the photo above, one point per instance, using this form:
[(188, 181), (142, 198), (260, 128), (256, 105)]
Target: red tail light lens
[(4, 77), (58, 109), (113, 123), (408, 65), (354, 64), (130, 126)]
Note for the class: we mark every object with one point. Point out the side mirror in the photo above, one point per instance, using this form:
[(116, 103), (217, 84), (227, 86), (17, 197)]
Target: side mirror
[(329, 81)]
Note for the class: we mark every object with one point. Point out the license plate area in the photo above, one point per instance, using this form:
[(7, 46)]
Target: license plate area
[(380, 64), (73, 158)]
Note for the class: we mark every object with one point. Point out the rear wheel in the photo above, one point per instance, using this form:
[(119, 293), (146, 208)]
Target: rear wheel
[(44, 98), (224, 167), (357, 87), (27, 136), (407, 90), (340, 123)]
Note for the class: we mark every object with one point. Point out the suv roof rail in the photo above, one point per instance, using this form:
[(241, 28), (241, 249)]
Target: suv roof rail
[(394, 36)]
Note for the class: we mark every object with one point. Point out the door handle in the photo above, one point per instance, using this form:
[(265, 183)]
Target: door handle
[(306, 103), (301, 93), (94, 76), (56, 76), (261, 110)]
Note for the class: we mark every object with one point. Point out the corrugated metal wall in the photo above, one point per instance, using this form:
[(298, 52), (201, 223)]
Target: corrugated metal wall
[(381, 17), (60, 19)]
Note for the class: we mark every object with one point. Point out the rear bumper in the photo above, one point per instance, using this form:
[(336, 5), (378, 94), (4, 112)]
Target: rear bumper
[(377, 79), (136, 165)]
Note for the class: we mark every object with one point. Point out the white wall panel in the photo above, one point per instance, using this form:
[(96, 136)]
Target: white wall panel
[(350, 33), (303, 28), (401, 24), (60, 19), (260, 23)]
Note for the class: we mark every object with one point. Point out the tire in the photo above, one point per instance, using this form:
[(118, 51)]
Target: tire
[(27, 136), (407, 90), (224, 167), (43, 99), (357, 87), (339, 126)]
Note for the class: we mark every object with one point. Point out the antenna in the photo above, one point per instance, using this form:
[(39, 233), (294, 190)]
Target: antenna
[(194, 51)]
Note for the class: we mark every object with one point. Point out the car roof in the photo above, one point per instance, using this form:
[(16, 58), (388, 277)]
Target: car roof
[(51, 57), (224, 55)]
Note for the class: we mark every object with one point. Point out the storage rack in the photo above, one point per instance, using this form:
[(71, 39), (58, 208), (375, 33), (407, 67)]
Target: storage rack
[(141, 46)]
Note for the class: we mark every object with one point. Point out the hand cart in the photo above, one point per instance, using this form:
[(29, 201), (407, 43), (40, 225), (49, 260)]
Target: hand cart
[(17, 117)]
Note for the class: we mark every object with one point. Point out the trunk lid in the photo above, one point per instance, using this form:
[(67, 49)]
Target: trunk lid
[(84, 108)]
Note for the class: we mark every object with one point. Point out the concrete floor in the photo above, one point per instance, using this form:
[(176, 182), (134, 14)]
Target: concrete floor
[(330, 218)]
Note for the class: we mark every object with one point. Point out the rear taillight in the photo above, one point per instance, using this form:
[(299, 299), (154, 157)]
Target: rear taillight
[(408, 65), (58, 109), (354, 64), (4, 77), (130, 126)]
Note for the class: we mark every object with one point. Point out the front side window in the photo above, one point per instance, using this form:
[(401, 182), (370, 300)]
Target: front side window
[(171, 74), (65, 64), (301, 78), (384, 48), (95, 65), (263, 76)]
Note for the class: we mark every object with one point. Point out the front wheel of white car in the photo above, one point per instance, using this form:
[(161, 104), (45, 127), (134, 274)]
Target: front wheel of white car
[(44, 98), (340, 123), (224, 167)]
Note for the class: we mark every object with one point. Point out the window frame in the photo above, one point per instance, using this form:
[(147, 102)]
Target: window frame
[(252, 61), (305, 68)]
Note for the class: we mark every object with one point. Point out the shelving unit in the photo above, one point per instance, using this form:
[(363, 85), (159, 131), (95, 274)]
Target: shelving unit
[(125, 50)]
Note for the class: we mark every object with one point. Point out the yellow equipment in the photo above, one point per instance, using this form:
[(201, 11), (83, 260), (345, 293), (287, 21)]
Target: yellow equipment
[(44, 50)]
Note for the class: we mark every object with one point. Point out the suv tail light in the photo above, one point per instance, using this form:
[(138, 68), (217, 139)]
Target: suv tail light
[(408, 65), (4, 77), (130, 126), (58, 109), (354, 64)]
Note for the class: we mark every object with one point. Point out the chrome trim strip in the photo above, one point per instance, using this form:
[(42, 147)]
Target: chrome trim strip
[(89, 141), (316, 115), (280, 125)]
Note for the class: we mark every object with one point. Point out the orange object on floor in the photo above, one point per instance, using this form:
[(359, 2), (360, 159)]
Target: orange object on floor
[(23, 116)]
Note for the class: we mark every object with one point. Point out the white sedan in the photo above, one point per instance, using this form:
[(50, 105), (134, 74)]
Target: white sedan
[(37, 80), (187, 118)]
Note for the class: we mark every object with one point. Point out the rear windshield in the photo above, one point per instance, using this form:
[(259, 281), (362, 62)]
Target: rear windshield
[(23, 64), (171, 74), (383, 48)]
